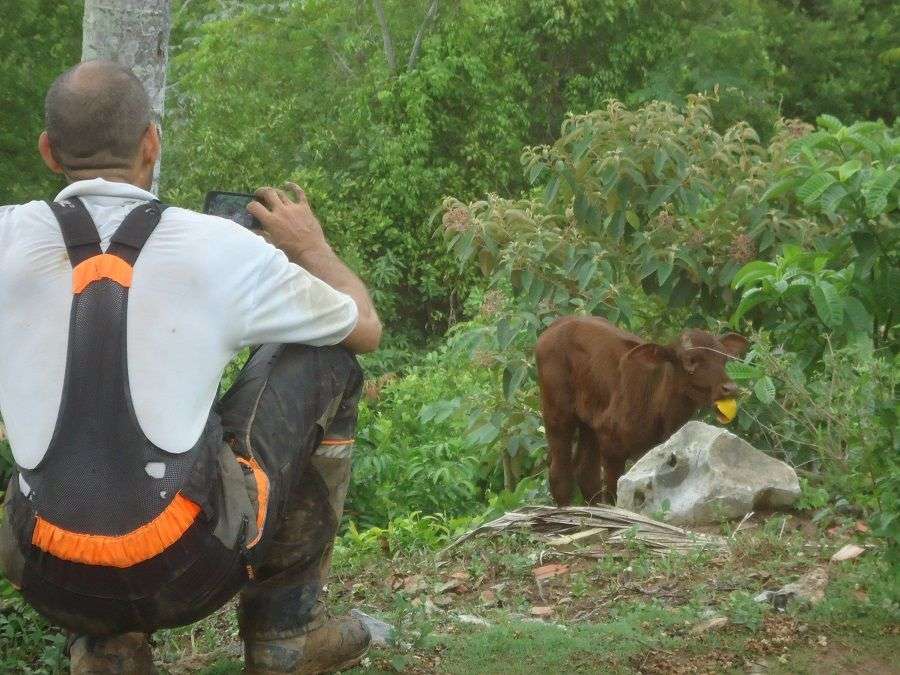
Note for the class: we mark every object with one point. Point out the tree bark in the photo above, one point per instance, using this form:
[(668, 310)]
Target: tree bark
[(134, 33), (420, 34), (390, 53)]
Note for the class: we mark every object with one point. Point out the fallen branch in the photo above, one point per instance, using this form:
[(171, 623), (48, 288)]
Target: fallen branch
[(562, 527)]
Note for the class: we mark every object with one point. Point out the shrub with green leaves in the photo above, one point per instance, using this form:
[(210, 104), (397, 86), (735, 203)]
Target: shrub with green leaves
[(640, 216), (412, 451), (849, 178), (654, 219)]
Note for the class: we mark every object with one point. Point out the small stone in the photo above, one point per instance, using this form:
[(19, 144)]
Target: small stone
[(808, 589), (848, 552), (541, 611), (765, 596), (712, 624), (473, 620), (382, 632), (451, 585)]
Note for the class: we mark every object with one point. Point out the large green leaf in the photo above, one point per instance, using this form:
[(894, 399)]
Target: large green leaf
[(829, 122), (552, 189), (753, 271), (876, 192), (586, 272), (764, 389), (512, 379), (779, 188), (661, 194), (664, 270), (858, 316), (750, 299), (848, 169), (814, 186), (828, 303), (740, 371), (832, 197)]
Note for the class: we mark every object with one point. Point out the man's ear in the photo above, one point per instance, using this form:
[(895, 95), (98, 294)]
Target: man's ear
[(150, 145), (735, 345), (650, 355), (47, 153)]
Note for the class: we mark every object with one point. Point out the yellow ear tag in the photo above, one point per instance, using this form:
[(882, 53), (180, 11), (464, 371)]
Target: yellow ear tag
[(727, 409)]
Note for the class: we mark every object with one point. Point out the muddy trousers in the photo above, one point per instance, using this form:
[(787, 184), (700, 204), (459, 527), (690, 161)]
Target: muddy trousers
[(308, 396), (292, 411)]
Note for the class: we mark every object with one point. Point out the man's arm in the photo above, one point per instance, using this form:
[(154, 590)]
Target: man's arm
[(294, 228)]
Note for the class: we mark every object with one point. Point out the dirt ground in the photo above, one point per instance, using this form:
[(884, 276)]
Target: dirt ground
[(509, 604)]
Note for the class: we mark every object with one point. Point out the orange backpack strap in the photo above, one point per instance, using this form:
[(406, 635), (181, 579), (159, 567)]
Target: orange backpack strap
[(82, 241)]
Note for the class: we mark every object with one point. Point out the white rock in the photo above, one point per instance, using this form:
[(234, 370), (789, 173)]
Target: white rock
[(705, 474), (382, 632), (472, 619), (848, 552)]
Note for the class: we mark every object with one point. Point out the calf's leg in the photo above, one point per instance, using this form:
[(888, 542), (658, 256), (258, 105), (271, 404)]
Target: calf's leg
[(589, 475), (559, 437), (558, 411)]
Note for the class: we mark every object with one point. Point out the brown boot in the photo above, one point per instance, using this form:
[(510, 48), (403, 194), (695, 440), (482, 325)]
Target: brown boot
[(126, 654), (334, 645)]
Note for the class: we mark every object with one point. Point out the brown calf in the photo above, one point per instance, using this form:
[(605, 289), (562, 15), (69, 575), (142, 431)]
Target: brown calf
[(621, 395)]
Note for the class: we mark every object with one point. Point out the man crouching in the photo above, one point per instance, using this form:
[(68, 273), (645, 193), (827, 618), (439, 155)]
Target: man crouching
[(140, 501)]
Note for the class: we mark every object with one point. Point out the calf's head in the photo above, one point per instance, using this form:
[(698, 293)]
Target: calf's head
[(699, 360)]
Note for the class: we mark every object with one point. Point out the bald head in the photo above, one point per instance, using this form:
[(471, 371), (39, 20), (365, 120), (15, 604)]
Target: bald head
[(95, 115)]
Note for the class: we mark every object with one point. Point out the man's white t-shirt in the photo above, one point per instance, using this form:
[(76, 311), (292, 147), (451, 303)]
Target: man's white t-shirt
[(203, 288)]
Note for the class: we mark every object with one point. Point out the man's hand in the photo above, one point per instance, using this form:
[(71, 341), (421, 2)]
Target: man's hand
[(291, 225), (294, 228)]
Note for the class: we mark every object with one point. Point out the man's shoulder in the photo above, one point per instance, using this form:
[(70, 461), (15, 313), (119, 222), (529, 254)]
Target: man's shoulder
[(12, 214), (11, 210), (215, 233), (204, 224)]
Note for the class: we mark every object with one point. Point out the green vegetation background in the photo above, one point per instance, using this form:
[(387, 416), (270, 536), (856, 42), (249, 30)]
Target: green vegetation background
[(541, 158)]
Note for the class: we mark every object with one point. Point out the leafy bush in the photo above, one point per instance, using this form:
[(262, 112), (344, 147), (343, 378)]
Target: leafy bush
[(847, 176), (378, 146), (651, 218), (30, 644), (803, 301), (412, 453), (41, 38), (643, 217)]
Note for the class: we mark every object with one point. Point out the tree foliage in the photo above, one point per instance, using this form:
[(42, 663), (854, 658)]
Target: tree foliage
[(39, 39), (653, 219), (311, 95)]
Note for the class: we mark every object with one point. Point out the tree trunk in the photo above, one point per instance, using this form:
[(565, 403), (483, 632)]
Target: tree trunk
[(420, 34), (134, 33), (390, 53)]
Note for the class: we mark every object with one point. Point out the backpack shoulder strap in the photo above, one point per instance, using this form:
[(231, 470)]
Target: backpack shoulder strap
[(135, 230), (78, 229)]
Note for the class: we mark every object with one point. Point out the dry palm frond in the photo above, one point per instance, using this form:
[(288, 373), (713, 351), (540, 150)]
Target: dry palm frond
[(567, 527)]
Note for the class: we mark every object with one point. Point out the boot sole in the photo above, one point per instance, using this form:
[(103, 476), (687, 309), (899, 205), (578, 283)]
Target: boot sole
[(349, 663)]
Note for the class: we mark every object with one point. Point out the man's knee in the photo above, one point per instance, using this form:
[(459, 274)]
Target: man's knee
[(345, 365)]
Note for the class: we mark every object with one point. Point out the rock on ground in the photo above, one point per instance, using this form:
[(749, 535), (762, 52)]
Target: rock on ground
[(704, 474)]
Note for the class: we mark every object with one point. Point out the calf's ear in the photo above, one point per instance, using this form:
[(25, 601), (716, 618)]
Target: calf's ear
[(736, 345), (650, 355)]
